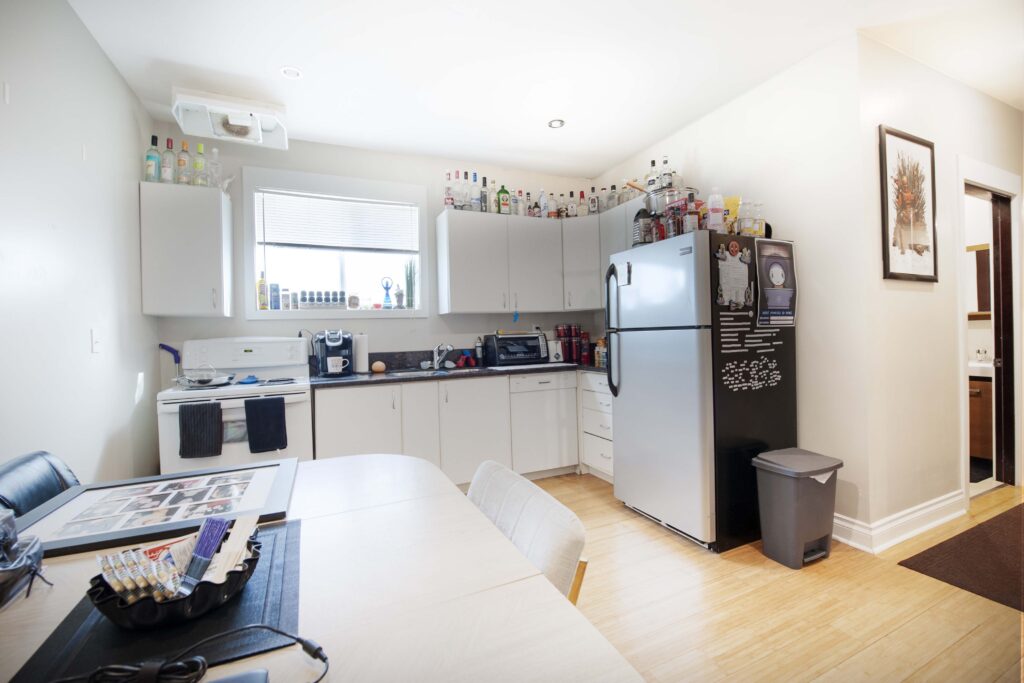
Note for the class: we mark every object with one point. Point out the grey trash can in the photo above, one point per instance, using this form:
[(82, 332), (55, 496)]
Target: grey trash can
[(796, 491)]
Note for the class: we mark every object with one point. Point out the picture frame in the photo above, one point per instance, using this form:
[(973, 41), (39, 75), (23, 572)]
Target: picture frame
[(907, 173), (135, 511)]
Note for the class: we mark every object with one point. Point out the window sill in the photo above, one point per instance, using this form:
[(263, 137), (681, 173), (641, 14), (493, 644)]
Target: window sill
[(336, 314)]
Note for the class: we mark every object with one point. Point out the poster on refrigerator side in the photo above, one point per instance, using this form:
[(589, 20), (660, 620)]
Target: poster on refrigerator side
[(776, 275)]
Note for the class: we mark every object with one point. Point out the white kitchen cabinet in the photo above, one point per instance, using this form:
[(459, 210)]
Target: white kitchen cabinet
[(185, 240), (535, 264), (543, 410), (421, 433), (581, 262), (472, 262), (595, 423), (360, 419), (474, 425)]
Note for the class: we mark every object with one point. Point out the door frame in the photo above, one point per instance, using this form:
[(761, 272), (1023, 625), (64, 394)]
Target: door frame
[(986, 176)]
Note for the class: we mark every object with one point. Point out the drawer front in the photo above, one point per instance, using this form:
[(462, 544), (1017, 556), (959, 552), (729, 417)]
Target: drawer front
[(542, 381), (597, 453), (598, 424), (592, 400), (592, 381)]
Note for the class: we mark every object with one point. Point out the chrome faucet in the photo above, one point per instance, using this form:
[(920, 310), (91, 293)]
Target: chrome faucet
[(440, 352)]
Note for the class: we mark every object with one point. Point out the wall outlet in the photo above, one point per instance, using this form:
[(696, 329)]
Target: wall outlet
[(94, 340)]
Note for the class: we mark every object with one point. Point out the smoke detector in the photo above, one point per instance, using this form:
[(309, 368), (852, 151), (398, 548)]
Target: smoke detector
[(208, 115)]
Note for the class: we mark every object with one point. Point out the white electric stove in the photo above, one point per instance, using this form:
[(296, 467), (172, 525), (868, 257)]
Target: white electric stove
[(263, 367)]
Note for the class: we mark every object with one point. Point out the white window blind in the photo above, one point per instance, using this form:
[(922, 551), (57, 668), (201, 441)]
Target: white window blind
[(288, 219)]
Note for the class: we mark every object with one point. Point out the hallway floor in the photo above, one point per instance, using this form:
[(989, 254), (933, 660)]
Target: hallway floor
[(679, 612)]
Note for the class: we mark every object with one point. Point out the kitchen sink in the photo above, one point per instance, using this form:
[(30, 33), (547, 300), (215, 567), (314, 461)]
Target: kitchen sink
[(413, 373)]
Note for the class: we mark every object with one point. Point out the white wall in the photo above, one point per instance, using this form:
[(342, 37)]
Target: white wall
[(385, 335), (915, 428), (70, 145), (791, 143)]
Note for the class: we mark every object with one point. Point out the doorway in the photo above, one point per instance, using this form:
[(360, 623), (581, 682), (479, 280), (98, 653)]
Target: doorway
[(988, 286)]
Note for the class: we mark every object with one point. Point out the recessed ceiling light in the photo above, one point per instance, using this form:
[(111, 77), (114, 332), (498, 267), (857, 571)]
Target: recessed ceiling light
[(291, 73), (556, 123)]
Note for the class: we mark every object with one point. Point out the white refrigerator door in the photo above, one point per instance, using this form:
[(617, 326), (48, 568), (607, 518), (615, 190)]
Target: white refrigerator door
[(662, 285), (663, 425)]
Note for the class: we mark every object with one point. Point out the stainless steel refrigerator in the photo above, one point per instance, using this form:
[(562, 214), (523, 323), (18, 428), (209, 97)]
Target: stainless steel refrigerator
[(701, 383)]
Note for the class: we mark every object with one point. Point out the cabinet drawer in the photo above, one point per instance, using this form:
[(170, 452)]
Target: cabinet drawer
[(592, 381), (597, 453), (542, 381), (592, 400), (598, 424)]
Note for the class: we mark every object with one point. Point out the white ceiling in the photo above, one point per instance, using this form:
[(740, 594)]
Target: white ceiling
[(980, 43), (477, 80)]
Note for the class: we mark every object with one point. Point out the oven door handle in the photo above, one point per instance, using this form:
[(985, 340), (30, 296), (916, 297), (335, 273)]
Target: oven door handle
[(230, 403)]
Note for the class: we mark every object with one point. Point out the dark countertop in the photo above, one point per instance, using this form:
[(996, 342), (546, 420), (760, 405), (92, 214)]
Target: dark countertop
[(433, 375), (591, 368)]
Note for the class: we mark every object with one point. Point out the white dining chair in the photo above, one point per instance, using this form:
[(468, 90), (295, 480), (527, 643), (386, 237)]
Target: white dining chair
[(548, 533)]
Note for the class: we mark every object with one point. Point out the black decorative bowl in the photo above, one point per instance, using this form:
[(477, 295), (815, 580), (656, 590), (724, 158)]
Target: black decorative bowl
[(147, 613)]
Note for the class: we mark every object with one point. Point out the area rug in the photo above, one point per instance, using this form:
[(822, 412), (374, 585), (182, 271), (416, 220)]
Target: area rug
[(986, 560)]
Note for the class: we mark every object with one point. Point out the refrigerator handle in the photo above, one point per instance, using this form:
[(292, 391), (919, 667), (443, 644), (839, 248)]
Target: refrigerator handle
[(612, 386), (612, 272)]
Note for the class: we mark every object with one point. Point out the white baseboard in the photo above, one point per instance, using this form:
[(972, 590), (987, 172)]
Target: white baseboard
[(887, 532), (587, 469), (557, 472)]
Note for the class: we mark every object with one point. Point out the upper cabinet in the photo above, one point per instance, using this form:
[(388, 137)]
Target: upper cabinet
[(488, 263), (534, 264), (472, 262), (581, 263), (186, 250), (616, 227)]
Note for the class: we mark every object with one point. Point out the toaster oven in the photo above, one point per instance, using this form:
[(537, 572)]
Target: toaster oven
[(515, 349)]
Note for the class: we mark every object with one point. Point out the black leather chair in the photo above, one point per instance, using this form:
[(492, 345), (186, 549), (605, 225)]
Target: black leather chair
[(30, 480)]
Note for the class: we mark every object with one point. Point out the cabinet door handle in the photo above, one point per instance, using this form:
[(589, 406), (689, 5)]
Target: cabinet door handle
[(392, 399), (516, 308), (974, 392), (570, 300), (504, 301), (213, 297), (547, 381), (606, 457), (445, 395), (606, 405)]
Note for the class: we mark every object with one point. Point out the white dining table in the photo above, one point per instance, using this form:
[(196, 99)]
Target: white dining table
[(401, 578)]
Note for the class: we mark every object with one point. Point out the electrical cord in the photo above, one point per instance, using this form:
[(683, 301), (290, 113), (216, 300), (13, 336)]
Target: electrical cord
[(177, 669)]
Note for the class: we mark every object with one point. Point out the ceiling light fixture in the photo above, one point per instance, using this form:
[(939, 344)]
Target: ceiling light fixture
[(292, 73), (556, 123)]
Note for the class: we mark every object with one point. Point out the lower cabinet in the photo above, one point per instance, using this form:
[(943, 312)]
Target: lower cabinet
[(421, 433), (981, 420), (474, 420), (354, 420), (543, 409), (596, 446)]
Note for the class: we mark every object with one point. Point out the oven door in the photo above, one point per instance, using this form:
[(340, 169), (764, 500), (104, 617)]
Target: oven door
[(235, 451)]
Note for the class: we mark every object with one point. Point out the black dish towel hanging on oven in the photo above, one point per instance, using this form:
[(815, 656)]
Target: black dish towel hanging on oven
[(264, 420), (200, 430)]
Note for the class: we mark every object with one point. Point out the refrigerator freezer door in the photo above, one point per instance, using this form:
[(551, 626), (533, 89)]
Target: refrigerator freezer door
[(662, 285), (662, 420)]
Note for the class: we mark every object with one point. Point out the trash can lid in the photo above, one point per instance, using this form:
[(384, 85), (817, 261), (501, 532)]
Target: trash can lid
[(796, 462)]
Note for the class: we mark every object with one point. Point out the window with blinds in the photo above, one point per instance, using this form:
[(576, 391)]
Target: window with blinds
[(327, 252)]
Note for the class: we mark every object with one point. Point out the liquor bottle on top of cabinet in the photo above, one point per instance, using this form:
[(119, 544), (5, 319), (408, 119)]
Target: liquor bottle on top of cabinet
[(183, 176), (504, 202), (484, 195), (474, 194), (514, 202), (449, 195), (168, 160), (571, 208), (151, 162), (667, 174), (562, 206), (653, 179), (611, 200), (542, 204), (583, 209), (199, 175), (214, 168), (494, 198), (716, 211), (593, 203)]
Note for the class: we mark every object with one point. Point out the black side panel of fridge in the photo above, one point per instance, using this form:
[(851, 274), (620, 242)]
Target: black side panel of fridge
[(754, 384)]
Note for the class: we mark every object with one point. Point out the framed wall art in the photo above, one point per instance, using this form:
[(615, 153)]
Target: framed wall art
[(908, 206), (131, 511)]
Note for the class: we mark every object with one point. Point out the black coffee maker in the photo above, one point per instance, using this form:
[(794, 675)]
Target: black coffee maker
[(332, 350)]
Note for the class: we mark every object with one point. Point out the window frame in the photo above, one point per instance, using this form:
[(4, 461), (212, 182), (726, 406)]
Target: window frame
[(256, 178)]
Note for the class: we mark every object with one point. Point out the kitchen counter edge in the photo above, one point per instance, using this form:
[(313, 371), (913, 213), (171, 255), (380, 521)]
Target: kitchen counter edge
[(388, 378)]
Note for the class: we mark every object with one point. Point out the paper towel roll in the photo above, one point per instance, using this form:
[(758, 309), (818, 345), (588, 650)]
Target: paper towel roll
[(361, 352)]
